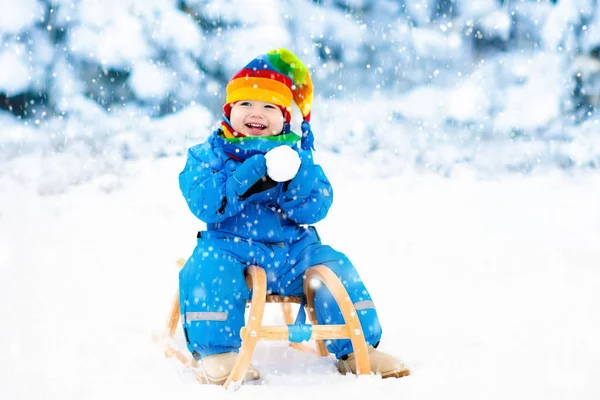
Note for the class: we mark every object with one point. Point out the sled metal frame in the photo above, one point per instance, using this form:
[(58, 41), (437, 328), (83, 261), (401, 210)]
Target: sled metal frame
[(255, 331)]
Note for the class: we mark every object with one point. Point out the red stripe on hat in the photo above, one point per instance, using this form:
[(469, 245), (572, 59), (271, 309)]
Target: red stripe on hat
[(264, 73), (286, 114)]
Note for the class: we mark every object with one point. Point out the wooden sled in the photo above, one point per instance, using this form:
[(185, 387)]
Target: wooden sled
[(255, 331)]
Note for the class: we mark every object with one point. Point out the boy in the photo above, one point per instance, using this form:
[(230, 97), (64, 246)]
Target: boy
[(253, 219)]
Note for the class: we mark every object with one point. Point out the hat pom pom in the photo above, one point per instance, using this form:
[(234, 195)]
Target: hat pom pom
[(308, 139)]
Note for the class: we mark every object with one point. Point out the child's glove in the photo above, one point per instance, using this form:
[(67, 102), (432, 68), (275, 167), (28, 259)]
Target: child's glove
[(302, 184), (248, 173), (282, 163)]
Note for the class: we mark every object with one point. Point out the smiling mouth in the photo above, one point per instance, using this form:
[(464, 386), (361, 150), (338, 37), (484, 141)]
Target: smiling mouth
[(253, 125)]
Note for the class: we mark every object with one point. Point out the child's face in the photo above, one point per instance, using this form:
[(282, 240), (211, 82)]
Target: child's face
[(256, 118)]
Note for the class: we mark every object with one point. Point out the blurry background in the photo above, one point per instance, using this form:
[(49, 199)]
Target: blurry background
[(486, 86)]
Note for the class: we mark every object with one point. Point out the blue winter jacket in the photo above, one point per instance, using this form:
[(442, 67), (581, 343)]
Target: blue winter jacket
[(226, 186)]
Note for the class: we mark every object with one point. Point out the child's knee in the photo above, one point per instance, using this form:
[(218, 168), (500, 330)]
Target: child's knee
[(204, 280), (345, 270), (213, 297)]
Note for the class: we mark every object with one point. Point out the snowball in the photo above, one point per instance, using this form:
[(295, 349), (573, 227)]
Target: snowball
[(282, 163)]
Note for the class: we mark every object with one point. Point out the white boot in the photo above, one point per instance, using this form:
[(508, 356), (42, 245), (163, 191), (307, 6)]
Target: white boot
[(382, 364), (217, 367)]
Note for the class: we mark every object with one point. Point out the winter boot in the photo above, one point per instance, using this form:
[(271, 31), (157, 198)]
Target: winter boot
[(216, 368), (382, 364)]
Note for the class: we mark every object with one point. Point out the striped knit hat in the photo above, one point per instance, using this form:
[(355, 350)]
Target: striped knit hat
[(278, 77)]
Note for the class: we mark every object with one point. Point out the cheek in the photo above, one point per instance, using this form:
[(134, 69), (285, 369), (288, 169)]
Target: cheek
[(236, 117), (277, 121)]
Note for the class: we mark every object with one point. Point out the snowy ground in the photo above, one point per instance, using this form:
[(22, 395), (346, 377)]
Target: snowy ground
[(488, 290)]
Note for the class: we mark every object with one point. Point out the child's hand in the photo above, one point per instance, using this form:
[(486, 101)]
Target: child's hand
[(282, 163), (248, 173), (302, 184)]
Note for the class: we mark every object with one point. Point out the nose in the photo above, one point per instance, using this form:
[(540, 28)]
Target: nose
[(256, 112)]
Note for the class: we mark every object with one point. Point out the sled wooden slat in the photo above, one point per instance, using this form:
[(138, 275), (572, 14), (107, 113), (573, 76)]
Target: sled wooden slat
[(319, 332), (286, 308), (173, 352), (273, 298), (174, 316), (173, 320)]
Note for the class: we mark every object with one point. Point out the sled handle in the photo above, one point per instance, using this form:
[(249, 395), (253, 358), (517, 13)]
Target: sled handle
[(308, 332)]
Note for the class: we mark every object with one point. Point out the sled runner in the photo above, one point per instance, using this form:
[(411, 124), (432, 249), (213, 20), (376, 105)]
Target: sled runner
[(295, 333)]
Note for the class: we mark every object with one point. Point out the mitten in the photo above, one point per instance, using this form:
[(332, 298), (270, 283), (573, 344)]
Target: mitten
[(247, 174), (303, 183)]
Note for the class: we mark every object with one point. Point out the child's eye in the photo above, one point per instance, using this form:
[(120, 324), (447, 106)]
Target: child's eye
[(270, 106), (245, 103)]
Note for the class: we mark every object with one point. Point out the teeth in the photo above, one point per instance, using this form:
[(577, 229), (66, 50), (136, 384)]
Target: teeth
[(258, 126)]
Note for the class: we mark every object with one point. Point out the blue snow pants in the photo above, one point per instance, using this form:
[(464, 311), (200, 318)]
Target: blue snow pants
[(213, 290)]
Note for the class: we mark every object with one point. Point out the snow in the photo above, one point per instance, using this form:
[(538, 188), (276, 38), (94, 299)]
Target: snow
[(419, 10), (177, 30), (244, 11), (464, 103), (14, 76), (476, 8), (433, 42), (151, 82), (16, 16), (539, 74), (496, 24), (487, 289), (237, 48), (114, 46)]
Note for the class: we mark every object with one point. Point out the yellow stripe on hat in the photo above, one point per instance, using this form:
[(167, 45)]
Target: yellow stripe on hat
[(259, 89)]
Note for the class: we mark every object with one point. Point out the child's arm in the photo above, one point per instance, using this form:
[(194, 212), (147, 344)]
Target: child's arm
[(307, 197), (212, 190)]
